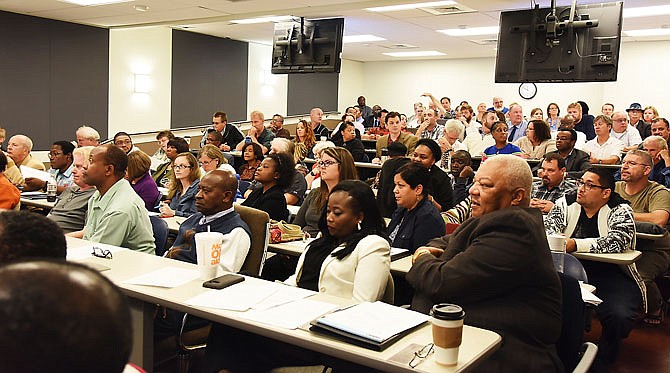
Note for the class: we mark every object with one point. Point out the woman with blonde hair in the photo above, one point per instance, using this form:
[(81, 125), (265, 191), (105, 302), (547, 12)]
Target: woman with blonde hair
[(211, 158), (650, 113), (140, 180), (183, 187), (304, 141)]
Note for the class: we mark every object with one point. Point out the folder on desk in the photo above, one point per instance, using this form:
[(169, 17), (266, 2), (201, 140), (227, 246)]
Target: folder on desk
[(398, 253), (371, 325)]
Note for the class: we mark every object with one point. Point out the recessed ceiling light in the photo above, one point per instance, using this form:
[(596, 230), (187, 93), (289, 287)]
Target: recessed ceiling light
[(648, 32), (471, 31), (248, 21), (646, 11), (360, 38), (94, 2), (141, 8), (415, 54), (394, 8)]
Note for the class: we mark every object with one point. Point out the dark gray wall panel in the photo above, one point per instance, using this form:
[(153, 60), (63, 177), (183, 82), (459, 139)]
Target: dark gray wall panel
[(53, 78), (306, 91), (208, 74)]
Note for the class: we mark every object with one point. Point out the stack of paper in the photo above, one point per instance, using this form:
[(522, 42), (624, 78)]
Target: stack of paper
[(168, 277)]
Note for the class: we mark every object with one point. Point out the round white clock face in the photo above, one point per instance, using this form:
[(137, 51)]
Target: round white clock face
[(527, 90)]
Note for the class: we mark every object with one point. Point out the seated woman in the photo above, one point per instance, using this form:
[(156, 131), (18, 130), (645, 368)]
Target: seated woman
[(352, 144), (427, 153), (350, 260), (537, 141), (163, 172), (274, 173), (211, 158), (252, 154), (183, 187), (499, 132), (304, 141), (416, 221), (137, 174), (312, 177)]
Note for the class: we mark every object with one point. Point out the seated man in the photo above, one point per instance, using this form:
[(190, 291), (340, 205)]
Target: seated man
[(553, 185), (657, 148), (10, 196), (214, 202), (25, 234), (651, 203), (598, 220), (19, 148), (60, 156), (87, 136), (70, 209), (603, 149), (498, 267), (123, 141), (460, 174), (116, 214), (257, 132), (294, 193), (76, 318), (395, 135), (576, 161), (384, 181), (230, 134)]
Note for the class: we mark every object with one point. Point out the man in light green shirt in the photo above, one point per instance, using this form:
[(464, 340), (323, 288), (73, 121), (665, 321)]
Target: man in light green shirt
[(116, 214)]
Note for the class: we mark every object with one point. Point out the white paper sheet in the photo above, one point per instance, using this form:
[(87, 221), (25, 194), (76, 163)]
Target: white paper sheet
[(84, 252), (300, 243), (31, 172), (168, 277), (238, 297), (587, 294), (375, 321), (284, 294), (291, 315)]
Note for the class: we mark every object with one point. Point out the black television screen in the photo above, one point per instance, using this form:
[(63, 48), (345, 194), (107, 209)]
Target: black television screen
[(534, 46), (307, 46)]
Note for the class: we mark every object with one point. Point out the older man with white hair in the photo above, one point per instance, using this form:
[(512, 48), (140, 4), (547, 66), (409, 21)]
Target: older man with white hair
[(19, 148), (657, 148), (316, 117), (87, 136), (498, 263), (624, 132)]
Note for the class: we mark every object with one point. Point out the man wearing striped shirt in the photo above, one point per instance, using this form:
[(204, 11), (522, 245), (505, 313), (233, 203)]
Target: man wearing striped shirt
[(553, 185), (429, 129)]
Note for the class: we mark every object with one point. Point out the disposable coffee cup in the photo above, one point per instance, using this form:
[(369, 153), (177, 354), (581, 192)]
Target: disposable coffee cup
[(557, 245), (324, 138), (447, 320), (208, 251)]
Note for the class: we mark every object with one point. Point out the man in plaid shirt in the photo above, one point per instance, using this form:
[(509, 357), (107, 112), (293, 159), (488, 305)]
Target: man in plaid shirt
[(553, 185)]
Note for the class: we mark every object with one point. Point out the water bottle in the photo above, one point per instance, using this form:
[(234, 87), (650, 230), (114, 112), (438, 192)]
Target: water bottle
[(385, 154), (51, 189)]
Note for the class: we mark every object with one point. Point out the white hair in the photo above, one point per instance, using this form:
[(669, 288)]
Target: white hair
[(282, 143), (88, 133), (321, 146), (659, 141), (454, 125), (517, 171), (25, 140)]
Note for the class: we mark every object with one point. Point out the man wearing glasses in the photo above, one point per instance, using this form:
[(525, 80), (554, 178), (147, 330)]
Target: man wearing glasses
[(598, 220), (651, 204), (123, 141), (116, 214), (277, 127), (61, 159)]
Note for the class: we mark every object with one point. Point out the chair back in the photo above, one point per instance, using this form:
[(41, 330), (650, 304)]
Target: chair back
[(389, 292), (573, 268), (259, 225), (160, 230), (572, 325), (243, 186)]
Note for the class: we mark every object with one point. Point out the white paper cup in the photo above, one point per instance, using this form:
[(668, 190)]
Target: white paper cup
[(208, 251), (324, 138), (557, 245), (447, 321)]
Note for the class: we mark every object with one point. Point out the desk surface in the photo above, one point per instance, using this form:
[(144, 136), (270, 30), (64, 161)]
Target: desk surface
[(126, 264), (627, 257), (42, 203)]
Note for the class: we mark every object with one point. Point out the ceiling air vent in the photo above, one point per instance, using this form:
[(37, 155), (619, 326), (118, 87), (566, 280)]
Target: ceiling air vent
[(446, 10), (399, 46)]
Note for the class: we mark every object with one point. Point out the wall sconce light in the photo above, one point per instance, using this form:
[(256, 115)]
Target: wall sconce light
[(143, 83)]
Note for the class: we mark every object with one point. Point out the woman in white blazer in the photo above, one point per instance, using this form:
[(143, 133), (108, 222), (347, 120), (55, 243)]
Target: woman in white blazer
[(350, 259)]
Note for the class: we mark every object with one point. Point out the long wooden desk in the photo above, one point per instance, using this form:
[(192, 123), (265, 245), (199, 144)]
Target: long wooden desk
[(477, 343)]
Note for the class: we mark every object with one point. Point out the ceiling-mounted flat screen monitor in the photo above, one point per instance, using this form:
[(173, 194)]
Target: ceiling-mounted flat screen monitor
[(307, 46), (540, 45)]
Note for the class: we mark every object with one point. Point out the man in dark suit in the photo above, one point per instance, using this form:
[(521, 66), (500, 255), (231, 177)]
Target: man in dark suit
[(576, 161), (498, 267)]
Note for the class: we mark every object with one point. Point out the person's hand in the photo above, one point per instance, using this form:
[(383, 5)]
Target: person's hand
[(467, 172), (427, 94), (666, 156), (542, 205), (166, 211), (376, 161), (593, 159), (524, 155), (224, 147), (426, 250), (252, 132), (33, 183), (570, 245), (444, 144)]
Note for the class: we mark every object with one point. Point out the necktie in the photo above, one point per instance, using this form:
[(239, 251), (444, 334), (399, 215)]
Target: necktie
[(511, 134)]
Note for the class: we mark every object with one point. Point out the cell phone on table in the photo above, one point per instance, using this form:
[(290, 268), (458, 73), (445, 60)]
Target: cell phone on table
[(223, 281)]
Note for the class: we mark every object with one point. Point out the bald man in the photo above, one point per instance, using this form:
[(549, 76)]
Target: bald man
[(498, 267), (316, 117), (214, 202), (62, 317), (19, 148)]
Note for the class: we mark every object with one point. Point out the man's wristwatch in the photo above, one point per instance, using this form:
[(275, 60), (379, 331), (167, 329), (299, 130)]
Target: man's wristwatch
[(600, 161)]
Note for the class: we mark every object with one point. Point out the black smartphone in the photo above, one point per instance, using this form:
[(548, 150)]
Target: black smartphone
[(223, 281)]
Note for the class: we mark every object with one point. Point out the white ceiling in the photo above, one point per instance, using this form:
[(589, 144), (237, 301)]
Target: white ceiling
[(411, 27)]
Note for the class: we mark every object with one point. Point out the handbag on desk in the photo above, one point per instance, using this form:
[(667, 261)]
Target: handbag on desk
[(281, 231)]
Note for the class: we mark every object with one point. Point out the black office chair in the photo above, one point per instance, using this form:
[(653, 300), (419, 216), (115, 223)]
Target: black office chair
[(160, 230)]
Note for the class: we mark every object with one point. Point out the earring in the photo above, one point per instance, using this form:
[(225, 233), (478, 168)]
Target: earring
[(359, 225)]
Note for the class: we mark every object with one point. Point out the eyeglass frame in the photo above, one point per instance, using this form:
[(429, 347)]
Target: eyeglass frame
[(325, 164), (181, 166), (103, 253), (588, 186), (421, 354)]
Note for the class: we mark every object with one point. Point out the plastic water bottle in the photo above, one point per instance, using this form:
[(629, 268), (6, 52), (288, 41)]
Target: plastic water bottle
[(51, 189)]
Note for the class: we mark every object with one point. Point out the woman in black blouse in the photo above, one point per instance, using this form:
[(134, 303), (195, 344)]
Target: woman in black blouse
[(426, 153), (274, 173)]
